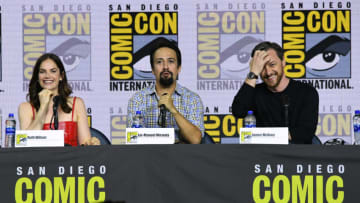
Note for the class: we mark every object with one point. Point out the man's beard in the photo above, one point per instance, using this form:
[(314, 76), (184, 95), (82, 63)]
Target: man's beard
[(166, 82), (279, 77)]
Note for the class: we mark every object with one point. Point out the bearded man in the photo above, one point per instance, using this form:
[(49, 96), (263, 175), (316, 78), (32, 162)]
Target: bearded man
[(278, 101), (183, 108)]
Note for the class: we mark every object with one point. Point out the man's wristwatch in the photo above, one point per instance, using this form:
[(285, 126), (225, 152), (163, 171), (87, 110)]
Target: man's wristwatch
[(251, 76)]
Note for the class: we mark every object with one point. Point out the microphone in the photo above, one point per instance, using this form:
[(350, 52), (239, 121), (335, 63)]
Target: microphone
[(56, 100), (162, 114), (162, 108), (286, 103)]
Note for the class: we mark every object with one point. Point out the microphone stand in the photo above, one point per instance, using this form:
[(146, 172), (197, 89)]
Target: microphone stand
[(285, 100), (56, 119), (286, 103), (55, 112), (163, 115), (286, 107)]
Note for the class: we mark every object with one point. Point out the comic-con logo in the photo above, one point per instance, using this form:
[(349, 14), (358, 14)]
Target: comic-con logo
[(64, 34), (220, 126), (225, 40), (132, 36), (117, 125), (62, 183), (117, 128), (335, 125), (317, 46), (303, 182)]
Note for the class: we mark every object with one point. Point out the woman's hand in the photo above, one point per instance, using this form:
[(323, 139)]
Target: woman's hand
[(45, 96), (92, 141)]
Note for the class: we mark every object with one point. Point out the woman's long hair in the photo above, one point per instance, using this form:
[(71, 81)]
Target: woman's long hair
[(64, 88)]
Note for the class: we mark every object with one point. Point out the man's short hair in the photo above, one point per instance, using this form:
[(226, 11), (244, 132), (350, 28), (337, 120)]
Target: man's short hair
[(163, 42), (266, 45)]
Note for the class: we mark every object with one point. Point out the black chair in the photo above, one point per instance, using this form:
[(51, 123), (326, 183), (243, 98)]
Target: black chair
[(316, 140), (99, 135), (335, 141), (207, 139)]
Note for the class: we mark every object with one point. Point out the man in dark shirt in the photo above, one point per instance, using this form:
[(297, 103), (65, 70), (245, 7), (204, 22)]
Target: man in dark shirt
[(278, 101)]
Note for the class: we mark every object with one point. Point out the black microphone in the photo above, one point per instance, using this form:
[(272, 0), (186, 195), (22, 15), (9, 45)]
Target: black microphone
[(286, 103), (56, 100), (162, 114), (162, 108)]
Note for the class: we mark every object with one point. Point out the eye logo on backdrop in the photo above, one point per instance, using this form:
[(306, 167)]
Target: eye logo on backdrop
[(71, 52), (64, 31), (317, 45), (226, 35), (133, 34)]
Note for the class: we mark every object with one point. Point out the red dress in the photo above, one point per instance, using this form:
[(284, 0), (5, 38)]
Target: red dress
[(69, 127)]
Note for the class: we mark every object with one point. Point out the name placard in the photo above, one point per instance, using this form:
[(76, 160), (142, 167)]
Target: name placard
[(278, 135), (39, 138), (150, 136)]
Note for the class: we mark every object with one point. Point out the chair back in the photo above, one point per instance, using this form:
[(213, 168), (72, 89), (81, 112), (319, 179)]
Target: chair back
[(99, 135), (316, 140), (207, 139)]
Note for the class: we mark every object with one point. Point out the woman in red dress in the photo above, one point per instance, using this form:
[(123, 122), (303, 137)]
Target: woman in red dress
[(48, 81)]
